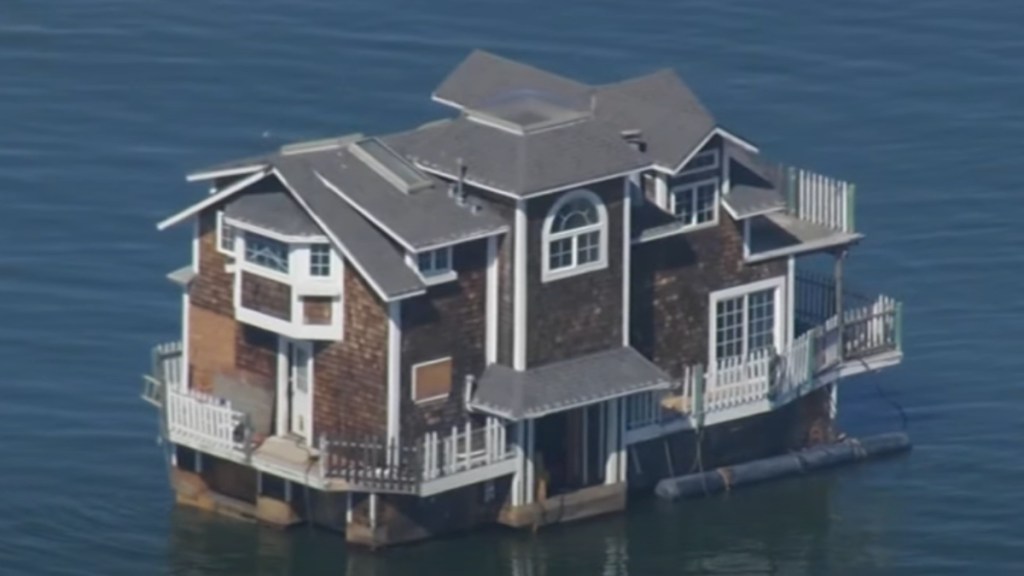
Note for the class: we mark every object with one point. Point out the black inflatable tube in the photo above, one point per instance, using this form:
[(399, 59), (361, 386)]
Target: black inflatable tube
[(817, 458)]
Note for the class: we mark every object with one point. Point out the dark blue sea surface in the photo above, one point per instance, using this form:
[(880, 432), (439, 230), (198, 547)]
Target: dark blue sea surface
[(105, 104)]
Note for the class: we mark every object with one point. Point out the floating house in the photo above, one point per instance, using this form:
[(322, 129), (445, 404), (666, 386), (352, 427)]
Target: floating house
[(519, 314)]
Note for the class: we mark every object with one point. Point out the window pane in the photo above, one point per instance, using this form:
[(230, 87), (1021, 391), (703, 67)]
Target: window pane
[(227, 237), (575, 214), (683, 205), (705, 211), (729, 327), (560, 255), (761, 314), (320, 260), (266, 252), (587, 247), (441, 259)]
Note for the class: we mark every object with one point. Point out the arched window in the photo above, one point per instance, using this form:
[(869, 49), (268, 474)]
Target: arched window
[(575, 236)]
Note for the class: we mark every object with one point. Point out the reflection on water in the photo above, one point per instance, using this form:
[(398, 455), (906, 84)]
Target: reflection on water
[(786, 527)]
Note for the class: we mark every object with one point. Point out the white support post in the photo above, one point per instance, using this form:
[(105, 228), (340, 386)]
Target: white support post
[(519, 293), (198, 464), (530, 477), (348, 507), (790, 312), (746, 238), (623, 456), (517, 480), (627, 245), (611, 470), (492, 300), (373, 510), (586, 440), (394, 394)]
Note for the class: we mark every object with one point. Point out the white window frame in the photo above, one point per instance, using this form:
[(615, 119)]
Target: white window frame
[(309, 261), (412, 388), (777, 284), (433, 275), (220, 236), (714, 165), (693, 187), (548, 237)]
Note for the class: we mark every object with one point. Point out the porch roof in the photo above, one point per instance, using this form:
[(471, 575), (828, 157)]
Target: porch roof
[(565, 385)]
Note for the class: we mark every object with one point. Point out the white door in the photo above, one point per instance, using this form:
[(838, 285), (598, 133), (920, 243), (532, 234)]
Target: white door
[(300, 390)]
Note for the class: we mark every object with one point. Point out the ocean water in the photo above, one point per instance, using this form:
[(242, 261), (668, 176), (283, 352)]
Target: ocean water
[(104, 105)]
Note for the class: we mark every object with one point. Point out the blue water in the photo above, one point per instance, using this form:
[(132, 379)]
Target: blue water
[(105, 104)]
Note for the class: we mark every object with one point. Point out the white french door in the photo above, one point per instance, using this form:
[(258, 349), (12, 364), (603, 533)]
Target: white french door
[(746, 319)]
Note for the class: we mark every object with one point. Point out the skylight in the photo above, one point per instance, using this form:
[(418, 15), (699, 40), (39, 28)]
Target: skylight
[(392, 167)]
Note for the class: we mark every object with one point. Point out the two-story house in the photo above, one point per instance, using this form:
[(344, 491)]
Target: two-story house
[(515, 314)]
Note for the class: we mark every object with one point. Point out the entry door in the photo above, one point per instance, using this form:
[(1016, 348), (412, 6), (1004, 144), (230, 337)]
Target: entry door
[(300, 393)]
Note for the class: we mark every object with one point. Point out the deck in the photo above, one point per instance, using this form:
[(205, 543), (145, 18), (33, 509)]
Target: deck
[(869, 338), (436, 463)]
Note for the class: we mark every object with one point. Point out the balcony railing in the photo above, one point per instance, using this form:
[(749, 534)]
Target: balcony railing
[(768, 379), (377, 463)]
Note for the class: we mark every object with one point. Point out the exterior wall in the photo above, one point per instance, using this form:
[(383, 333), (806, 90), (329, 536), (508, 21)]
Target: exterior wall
[(671, 283), (350, 376), (580, 314), (217, 343), (450, 320)]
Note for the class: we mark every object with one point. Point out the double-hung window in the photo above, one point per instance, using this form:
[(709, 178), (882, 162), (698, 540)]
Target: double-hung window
[(575, 235), (225, 235), (266, 252), (746, 319), (696, 203)]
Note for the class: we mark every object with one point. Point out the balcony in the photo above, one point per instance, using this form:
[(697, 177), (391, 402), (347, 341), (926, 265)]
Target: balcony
[(868, 338), (818, 214), (436, 463)]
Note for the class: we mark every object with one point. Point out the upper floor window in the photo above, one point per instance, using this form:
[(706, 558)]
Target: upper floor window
[(320, 260), (266, 252), (435, 262), (696, 203), (706, 160), (225, 235), (575, 236), (746, 319)]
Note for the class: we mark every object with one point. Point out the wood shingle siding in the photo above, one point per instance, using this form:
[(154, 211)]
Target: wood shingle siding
[(266, 296)]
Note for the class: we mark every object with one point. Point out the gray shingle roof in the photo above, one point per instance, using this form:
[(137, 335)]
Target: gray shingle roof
[(744, 201), (420, 219), (565, 385), (670, 116), (483, 78), (274, 210), (380, 260), (522, 164)]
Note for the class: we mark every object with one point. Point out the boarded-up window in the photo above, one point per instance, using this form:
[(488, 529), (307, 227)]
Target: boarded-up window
[(317, 310), (432, 380)]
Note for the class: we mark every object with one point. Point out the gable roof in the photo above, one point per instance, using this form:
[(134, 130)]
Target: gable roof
[(273, 209)]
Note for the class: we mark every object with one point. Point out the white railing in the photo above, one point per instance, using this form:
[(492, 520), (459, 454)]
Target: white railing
[(794, 375), (821, 200), (738, 380), (465, 449), (205, 422)]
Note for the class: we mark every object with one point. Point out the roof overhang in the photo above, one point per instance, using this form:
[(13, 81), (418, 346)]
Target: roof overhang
[(215, 198), (214, 173)]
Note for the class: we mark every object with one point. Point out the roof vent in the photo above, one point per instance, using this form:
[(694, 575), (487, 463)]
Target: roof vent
[(634, 138), (319, 145)]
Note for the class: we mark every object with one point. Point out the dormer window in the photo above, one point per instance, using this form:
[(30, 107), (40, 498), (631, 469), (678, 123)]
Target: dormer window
[(575, 236), (266, 252), (706, 160), (320, 260), (696, 203), (435, 262)]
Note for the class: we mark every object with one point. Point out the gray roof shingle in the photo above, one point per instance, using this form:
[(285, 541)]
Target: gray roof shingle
[(371, 251), (565, 385), (420, 219), (274, 210), (484, 78), (522, 164), (671, 118)]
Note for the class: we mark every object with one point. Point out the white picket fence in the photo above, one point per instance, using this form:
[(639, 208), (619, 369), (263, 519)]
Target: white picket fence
[(738, 380), (205, 422), (465, 449), (822, 200)]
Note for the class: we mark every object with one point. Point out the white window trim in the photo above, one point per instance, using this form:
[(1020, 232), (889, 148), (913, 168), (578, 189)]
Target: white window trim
[(428, 363), (777, 284), (709, 152), (436, 277), (678, 188), (220, 234), (547, 237)]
